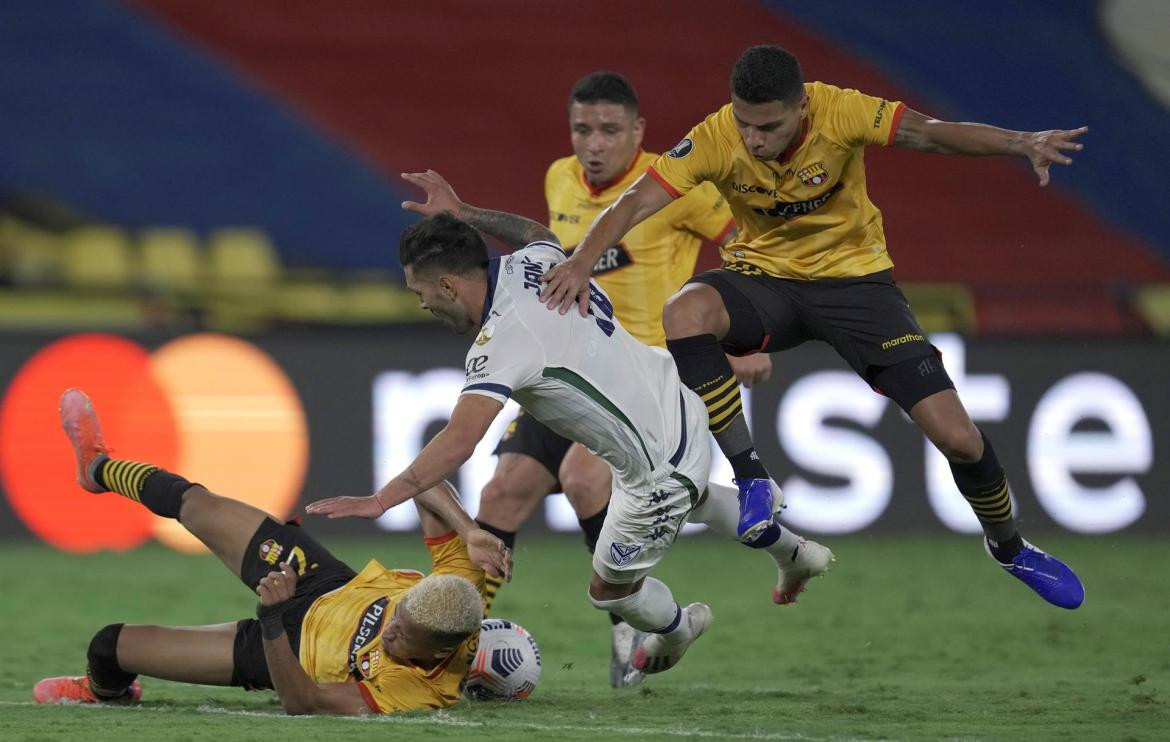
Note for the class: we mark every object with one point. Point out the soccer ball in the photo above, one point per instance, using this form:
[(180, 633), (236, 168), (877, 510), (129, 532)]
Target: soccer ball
[(507, 665)]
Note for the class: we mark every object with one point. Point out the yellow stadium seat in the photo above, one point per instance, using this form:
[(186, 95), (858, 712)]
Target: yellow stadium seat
[(941, 307), (97, 258), (1153, 304), (29, 256), (169, 261), (241, 260)]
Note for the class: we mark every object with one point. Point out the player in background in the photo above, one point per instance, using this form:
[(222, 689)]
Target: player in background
[(639, 274), (590, 381), (329, 640), (810, 263)]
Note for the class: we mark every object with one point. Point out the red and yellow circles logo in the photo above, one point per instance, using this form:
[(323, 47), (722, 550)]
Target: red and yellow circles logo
[(212, 408)]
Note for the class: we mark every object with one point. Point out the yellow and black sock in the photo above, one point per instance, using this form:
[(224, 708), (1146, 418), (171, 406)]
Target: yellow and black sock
[(159, 490), (492, 584), (984, 485), (702, 366)]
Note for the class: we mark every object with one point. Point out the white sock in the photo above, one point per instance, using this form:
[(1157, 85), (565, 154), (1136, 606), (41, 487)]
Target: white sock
[(651, 609), (720, 513)]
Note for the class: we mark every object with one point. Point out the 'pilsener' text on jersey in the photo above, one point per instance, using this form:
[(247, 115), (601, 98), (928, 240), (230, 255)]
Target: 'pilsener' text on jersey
[(655, 258), (586, 378), (805, 215)]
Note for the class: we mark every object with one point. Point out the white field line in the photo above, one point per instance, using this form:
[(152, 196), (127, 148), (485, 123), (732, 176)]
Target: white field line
[(440, 718)]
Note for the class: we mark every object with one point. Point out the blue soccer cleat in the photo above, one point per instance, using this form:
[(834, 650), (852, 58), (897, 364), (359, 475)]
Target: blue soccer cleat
[(755, 508), (1049, 577)]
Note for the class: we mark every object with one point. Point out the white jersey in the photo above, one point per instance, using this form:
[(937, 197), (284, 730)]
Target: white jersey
[(586, 378)]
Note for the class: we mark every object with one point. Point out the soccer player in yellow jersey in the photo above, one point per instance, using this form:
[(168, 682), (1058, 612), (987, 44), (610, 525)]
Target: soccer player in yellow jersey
[(639, 273), (329, 640), (810, 263)]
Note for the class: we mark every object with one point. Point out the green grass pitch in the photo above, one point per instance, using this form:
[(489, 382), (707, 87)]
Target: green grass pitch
[(921, 638)]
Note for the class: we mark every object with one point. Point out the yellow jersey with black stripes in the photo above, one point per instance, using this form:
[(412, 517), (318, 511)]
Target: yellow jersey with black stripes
[(341, 635), (655, 258), (807, 214)]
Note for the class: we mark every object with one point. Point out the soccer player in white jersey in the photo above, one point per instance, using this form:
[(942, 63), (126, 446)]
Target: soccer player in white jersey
[(590, 381)]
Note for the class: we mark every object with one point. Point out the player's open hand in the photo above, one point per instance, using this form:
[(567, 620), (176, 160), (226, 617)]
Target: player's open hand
[(277, 587), (440, 195), (347, 507), (566, 283), (490, 554), (752, 369), (1042, 148)]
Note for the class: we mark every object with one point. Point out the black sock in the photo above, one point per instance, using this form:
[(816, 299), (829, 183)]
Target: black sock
[(508, 537), (159, 490), (747, 466), (984, 485), (591, 526)]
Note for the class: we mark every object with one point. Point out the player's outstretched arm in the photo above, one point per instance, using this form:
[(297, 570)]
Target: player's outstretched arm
[(440, 512), (1041, 148), (299, 693), (447, 451), (513, 230), (568, 282)]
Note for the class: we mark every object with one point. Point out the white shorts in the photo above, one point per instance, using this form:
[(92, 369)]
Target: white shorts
[(642, 524)]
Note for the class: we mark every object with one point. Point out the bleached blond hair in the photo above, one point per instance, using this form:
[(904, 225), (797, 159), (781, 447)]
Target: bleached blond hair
[(448, 606)]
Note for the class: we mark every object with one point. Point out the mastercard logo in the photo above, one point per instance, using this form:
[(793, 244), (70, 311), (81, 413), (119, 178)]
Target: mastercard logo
[(214, 409)]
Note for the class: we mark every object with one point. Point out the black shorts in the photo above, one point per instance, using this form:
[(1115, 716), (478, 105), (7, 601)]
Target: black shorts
[(319, 572), (529, 436), (866, 319)]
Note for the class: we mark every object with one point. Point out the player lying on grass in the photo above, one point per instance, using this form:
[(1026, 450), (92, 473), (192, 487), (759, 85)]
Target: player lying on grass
[(329, 640), (590, 381)]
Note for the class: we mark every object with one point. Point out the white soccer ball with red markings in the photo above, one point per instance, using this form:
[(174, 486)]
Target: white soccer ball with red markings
[(507, 665)]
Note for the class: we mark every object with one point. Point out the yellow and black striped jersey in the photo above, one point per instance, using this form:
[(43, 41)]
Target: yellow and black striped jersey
[(807, 214)]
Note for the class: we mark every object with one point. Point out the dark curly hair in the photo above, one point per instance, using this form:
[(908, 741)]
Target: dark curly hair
[(766, 73), (445, 243)]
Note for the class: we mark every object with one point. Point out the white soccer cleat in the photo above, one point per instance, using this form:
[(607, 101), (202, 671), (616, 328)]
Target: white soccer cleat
[(657, 653), (621, 668), (811, 560)]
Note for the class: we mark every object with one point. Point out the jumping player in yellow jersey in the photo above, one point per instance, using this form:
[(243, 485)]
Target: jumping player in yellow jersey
[(639, 273), (810, 263), (329, 640)]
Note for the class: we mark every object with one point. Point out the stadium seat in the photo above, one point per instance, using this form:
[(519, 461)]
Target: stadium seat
[(97, 258), (941, 307), (380, 302), (242, 260), (170, 261), (308, 301), (1153, 304), (29, 256)]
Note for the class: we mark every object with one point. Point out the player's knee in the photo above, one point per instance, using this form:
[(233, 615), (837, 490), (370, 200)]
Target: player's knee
[(103, 648), (504, 502), (610, 596), (962, 443), (691, 312)]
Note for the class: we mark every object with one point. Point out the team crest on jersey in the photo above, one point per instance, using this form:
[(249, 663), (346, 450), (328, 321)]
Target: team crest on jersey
[(813, 175), (367, 664), (682, 149), (485, 335), (623, 554), (270, 551)]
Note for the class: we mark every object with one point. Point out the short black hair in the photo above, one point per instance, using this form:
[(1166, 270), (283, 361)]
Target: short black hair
[(766, 73), (445, 243), (605, 87)]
